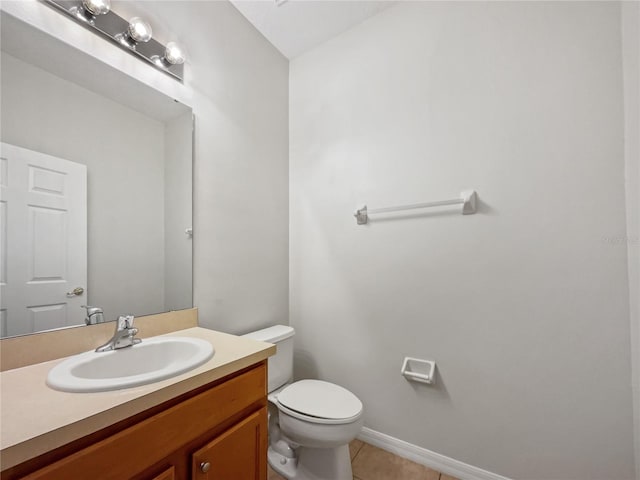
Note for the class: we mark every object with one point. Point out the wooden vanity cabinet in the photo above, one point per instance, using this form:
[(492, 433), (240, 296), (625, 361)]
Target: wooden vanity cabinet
[(216, 432)]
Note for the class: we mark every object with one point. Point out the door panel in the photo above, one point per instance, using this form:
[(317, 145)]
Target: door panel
[(47, 242), (46, 317)]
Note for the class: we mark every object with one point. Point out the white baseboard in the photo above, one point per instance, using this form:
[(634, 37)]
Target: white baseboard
[(426, 457)]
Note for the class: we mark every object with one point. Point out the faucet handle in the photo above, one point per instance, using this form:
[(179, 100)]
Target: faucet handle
[(92, 310), (94, 315), (125, 322), (124, 335)]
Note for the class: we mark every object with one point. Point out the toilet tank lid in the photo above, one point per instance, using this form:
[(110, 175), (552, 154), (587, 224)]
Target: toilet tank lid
[(272, 334)]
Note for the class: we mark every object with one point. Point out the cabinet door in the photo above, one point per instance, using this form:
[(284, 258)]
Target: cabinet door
[(240, 453), (168, 474)]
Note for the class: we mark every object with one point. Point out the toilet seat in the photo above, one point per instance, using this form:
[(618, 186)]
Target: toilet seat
[(316, 401)]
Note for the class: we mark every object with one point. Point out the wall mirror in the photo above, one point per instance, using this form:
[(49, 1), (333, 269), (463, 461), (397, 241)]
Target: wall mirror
[(96, 175)]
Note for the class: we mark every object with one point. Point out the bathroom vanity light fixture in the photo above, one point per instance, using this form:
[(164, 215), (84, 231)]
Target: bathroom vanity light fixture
[(173, 55), (138, 31), (133, 35), (88, 10)]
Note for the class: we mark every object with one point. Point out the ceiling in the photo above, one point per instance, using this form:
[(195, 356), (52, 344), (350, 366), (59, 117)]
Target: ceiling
[(295, 26)]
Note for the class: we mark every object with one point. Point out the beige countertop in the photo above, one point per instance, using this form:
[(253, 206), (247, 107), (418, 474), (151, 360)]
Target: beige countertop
[(35, 418)]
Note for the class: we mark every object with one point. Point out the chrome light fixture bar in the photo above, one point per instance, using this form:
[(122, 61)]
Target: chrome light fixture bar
[(132, 35)]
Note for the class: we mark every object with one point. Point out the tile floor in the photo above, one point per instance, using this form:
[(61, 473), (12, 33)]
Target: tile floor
[(372, 463)]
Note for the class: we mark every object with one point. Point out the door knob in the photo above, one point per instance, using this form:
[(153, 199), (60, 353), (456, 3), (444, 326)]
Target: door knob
[(204, 467), (75, 292)]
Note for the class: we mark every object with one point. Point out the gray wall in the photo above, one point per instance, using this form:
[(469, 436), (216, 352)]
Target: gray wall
[(178, 212), (631, 62), (237, 85), (524, 305), (240, 91), (124, 154)]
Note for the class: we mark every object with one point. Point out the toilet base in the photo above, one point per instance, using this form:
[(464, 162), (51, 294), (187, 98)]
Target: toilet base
[(285, 466), (313, 464)]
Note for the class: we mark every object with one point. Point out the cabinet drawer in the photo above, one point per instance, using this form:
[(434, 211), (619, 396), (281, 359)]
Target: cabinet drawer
[(132, 450)]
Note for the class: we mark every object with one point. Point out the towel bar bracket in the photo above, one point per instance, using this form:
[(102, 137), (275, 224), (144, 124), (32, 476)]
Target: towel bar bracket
[(361, 216)]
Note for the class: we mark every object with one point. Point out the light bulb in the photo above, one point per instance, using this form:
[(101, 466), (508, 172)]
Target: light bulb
[(97, 7), (139, 30), (173, 54)]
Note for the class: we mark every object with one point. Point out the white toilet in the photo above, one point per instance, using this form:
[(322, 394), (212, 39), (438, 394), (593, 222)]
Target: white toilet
[(311, 422)]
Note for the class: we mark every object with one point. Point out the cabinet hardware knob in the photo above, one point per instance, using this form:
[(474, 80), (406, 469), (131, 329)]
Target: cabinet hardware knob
[(204, 467)]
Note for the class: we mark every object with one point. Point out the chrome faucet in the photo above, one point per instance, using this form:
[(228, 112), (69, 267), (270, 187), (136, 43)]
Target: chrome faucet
[(94, 315), (124, 335)]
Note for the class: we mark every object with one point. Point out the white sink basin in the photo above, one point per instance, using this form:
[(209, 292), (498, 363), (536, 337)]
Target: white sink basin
[(147, 362)]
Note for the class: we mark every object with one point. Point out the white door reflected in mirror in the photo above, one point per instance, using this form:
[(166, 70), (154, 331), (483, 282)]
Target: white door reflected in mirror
[(43, 210)]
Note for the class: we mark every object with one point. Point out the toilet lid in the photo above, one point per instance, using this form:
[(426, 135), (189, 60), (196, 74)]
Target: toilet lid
[(320, 399)]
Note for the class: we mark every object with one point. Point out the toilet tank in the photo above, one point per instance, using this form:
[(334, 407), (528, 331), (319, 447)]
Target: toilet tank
[(281, 364)]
